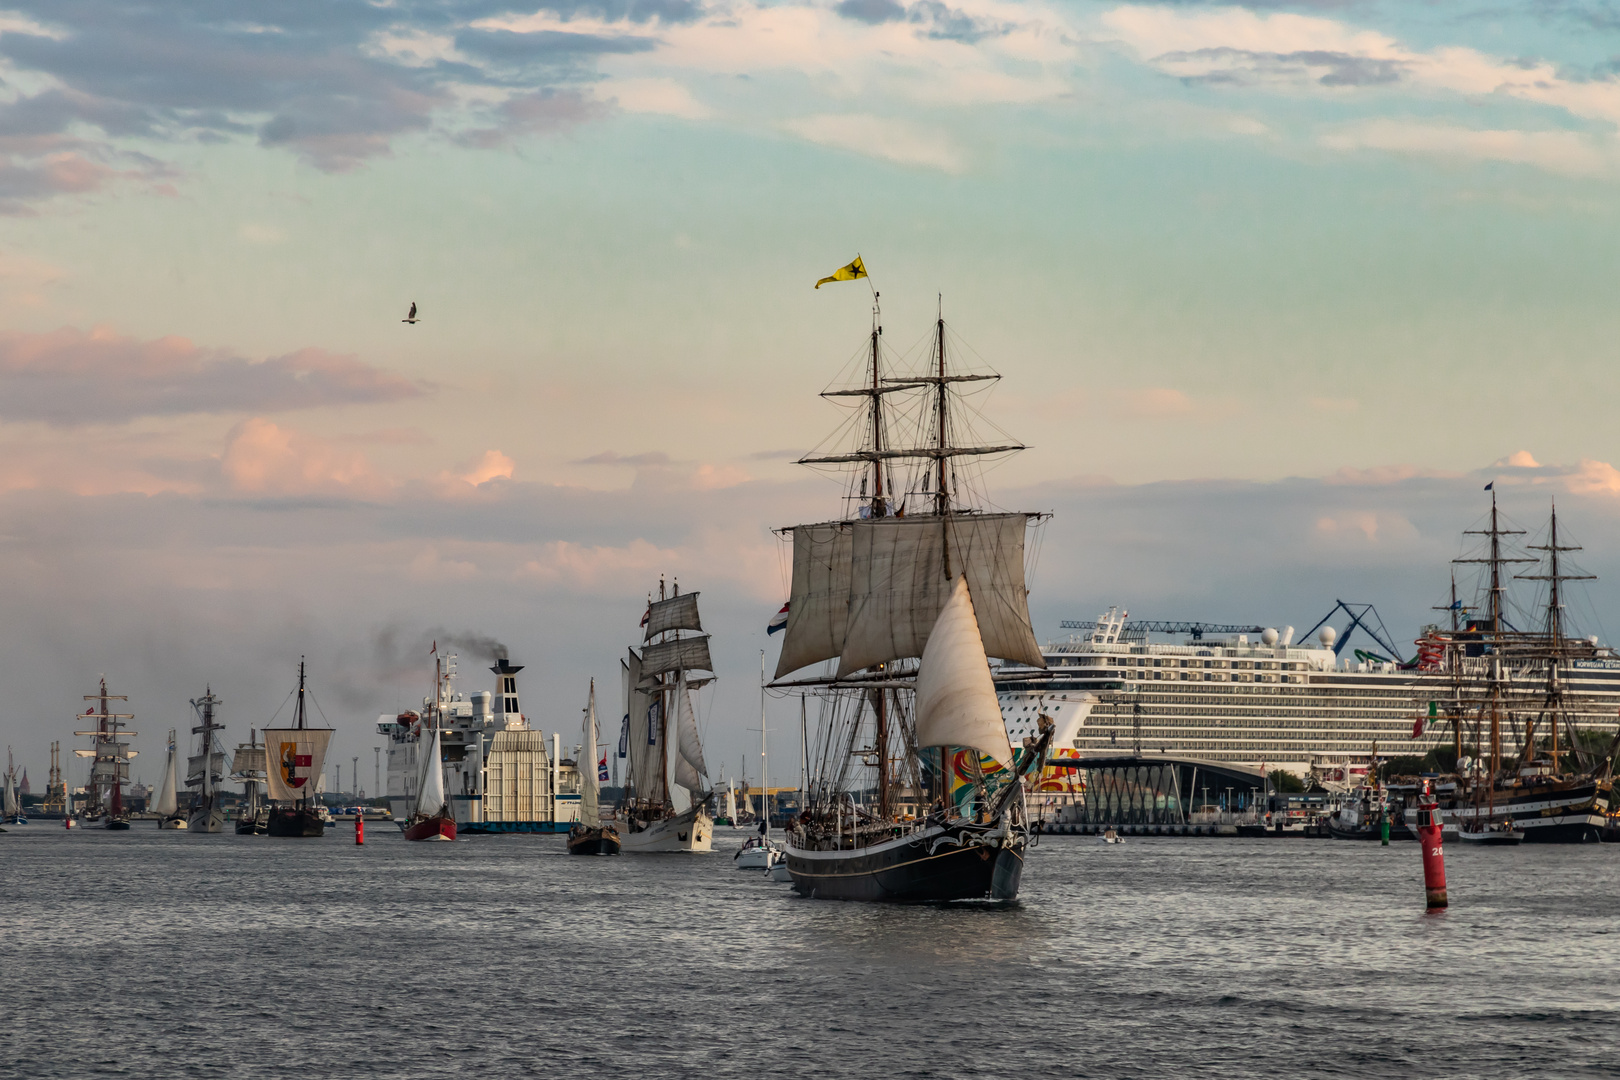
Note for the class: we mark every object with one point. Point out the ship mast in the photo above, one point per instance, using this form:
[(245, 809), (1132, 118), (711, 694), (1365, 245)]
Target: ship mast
[(1555, 633), (1495, 561)]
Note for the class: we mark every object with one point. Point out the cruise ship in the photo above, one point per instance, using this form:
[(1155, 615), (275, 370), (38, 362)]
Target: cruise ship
[(1245, 699), (1259, 699)]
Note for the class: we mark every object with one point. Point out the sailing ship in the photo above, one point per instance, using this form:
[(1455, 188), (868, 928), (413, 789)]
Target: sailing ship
[(248, 769), (911, 594), (296, 756), (589, 836), (1556, 788), (11, 811), (430, 817), (206, 769), (110, 754), (657, 685), (167, 803)]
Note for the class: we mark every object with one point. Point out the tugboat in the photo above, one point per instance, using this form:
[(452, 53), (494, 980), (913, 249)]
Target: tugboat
[(110, 768), (167, 804), (589, 836), (295, 756), (430, 811), (911, 593)]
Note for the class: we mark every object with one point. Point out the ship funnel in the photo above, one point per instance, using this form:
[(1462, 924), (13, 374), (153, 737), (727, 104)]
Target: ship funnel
[(507, 713)]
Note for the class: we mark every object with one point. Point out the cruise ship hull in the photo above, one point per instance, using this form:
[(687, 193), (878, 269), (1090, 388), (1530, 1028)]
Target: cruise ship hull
[(941, 864)]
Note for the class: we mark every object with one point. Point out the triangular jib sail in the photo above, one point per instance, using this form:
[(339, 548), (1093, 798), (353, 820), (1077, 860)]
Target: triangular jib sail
[(956, 698), (168, 798)]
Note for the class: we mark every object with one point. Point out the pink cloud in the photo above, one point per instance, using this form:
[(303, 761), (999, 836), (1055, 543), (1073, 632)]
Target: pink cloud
[(262, 458)]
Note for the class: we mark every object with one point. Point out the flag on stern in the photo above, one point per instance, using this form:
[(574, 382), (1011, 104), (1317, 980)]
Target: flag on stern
[(778, 621), (856, 269)]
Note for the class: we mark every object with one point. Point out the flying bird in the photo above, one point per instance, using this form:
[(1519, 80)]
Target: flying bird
[(411, 316)]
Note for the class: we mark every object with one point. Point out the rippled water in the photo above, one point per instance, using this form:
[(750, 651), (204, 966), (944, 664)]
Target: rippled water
[(167, 954)]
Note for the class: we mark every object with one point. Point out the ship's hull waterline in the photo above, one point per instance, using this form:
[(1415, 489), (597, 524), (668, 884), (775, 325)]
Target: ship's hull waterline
[(210, 820), (584, 840), (940, 864), (689, 831), (434, 828), (295, 823)]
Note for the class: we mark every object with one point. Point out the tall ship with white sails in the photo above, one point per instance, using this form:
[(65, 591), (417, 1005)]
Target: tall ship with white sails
[(917, 794), (500, 773), (248, 768), (205, 770), (662, 733), (166, 799)]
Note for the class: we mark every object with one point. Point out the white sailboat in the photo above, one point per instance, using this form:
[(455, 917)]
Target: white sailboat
[(167, 804), (589, 836), (12, 804), (430, 817)]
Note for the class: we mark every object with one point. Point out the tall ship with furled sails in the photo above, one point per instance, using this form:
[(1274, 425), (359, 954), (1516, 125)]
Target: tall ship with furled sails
[(662, 733), (916, 793), (295, 757), (205, 771)]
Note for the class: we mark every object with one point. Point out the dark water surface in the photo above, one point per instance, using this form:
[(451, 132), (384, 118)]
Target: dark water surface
[(149, 954)]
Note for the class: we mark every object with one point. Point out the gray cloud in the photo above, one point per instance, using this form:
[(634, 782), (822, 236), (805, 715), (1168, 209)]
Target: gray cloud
[(68, 377), (295, 76), (935, 19), (531, 114), (1343, 69)]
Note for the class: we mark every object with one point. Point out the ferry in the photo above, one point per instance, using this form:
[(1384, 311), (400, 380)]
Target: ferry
[(499, 773)]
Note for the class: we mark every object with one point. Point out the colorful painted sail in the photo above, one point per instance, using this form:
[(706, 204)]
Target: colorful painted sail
[(295, 757)]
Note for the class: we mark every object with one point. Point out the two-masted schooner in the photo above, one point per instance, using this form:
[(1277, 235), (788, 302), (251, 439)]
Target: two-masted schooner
[(916, 794), (295, 755), (658, 691)]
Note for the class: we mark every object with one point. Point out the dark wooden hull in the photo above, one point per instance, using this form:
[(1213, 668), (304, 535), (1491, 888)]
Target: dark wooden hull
[(938, 865), (117, 824), (251, 827), (431, 828), (587, 841), (285, 822)]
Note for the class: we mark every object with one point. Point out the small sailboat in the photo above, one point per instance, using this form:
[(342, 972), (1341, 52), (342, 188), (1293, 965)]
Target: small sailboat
[(589, 836), (761, 852), (13, 812), (167, 804), (297, 756), (430, 810)]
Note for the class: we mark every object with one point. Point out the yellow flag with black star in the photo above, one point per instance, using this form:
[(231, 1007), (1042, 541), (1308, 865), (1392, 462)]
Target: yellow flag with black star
[(856, 269)]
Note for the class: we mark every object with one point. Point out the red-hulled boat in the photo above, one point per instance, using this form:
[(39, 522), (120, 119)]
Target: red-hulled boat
[(431, 828), (430, 811)]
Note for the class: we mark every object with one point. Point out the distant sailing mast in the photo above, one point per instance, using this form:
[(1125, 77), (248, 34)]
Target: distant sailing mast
[(206, 769), (110, 768), (1553, 704)]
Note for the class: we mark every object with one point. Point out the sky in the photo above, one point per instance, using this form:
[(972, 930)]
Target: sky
[(1275, 290)]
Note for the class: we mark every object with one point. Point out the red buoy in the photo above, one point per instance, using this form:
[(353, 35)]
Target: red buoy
[(360, 838), (1434, 862)]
